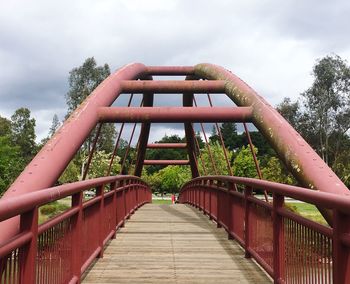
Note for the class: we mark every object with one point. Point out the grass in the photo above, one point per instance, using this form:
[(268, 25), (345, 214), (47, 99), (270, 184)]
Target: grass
[(161, 201), (52, 209), (307, 210)]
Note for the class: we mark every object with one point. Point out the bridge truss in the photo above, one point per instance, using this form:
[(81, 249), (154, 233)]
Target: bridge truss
[(24, 244)]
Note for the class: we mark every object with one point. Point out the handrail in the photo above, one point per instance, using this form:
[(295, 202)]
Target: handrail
[(62, 248), (289, 247), (12, 206), (323, 199)]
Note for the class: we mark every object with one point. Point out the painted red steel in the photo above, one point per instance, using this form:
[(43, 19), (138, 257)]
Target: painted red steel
[(42, 172), (171, 87), (291, 248), (61, 249), (174, 114), (167, 146), (303, 162), (286, 234), (170, 70), (166, 162)]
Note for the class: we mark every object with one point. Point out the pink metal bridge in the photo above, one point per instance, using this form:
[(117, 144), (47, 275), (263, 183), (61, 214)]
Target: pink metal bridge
[(290, 248)]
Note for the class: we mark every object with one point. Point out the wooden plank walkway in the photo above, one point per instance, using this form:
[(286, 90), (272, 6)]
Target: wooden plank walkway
[(173, 244)]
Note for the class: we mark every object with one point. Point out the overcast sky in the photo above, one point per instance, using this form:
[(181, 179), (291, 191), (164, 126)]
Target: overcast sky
[(272, 45)]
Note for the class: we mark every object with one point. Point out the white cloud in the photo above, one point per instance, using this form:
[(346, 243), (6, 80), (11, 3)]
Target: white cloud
[(272, 45)]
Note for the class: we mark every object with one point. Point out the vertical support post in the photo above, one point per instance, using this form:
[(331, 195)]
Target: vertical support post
[(144, 134), (28, 253), (251, 146), (231, 186), (92, 151), (121, 185), (341, 253), (77, 223), (218, 220), (100, 192), (187, 100), (278, 239), (113, 187), (247, 192), (117, 141)]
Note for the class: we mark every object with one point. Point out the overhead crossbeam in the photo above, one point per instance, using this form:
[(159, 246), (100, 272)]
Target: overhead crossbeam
[(170, 70), (167, 146), (171, 87), (175, 114), (166, 162)]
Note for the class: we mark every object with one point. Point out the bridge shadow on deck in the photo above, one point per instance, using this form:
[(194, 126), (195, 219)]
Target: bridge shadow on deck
[(173, 244)]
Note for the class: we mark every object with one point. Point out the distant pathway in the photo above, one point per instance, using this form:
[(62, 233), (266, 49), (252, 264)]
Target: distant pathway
[(173, 244)]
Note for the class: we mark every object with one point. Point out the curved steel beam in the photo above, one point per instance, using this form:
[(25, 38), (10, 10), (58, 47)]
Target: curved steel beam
[(46, 167), (303, 162)]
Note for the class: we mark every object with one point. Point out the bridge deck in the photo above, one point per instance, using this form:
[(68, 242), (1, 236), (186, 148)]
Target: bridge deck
[(173, 244)]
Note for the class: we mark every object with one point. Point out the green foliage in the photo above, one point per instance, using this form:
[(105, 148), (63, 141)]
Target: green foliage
[(243, 164), (166, 154), (5, 126), (54, 125), (98, 167), (71, 173), (218, 155), (82, 82), (169, 179), (52, 209), (327, 103), (275, 171), (23, 133), (11, 163)]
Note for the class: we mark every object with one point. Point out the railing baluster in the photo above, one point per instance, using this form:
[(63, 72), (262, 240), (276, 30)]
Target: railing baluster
[(278, 239), (77, 220), (247, 192), (28, 253), (341, 253)]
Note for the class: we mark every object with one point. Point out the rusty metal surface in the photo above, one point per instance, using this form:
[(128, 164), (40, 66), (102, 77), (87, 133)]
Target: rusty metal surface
[(61, 249), (46, 167), (166, 145), (187, 101), (174, 114), (144, 135), (166, 162), (291, 248), (170, 87), (170, 70), (307, 167)]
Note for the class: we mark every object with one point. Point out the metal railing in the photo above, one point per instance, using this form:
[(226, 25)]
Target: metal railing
[(290, 248), (61, 249)]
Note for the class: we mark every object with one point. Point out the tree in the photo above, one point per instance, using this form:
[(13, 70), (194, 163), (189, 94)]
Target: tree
[(218, 157), (168, 179), (166, 154), (229, 135), (243, 164), (82, 81), (54, 125), (11, 162), (327, 103), (214, 136), (23, 133), (173, 177), (290, 111), (5, 126), (277, 172)]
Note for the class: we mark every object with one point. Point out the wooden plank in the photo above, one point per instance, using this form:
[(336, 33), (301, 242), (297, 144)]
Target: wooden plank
[(173, 244)]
